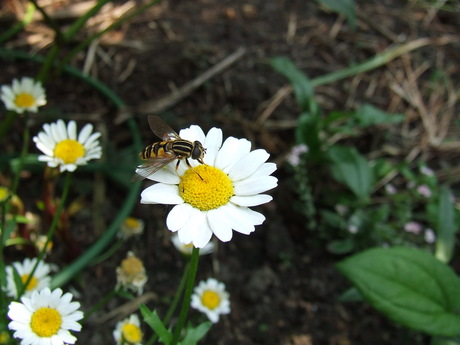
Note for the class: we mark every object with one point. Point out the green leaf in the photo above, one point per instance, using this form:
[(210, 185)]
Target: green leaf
[(303, 88), (351, 295), (194, 334), (345, 7), (307, 132), (154, 321), (409, 286), (348, 166), (446, 226), (368, 115), (341, 246)]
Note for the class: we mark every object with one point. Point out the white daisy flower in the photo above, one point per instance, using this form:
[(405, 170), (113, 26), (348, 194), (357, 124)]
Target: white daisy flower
[(210, 298), (128, 331), (187, 249), (23, 95), (213, 198), (45, 318), (39, 280), (131, 274), (131, 227), (62, 147)]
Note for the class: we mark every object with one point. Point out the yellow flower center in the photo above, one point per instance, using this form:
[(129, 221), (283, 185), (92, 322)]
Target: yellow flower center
[(69, 151), (205, 187), (131, 222), (4, 337), (131, 333), (3, 193), (132, 265), (32, 282), (46, 322), (24, 100), (210, 299)]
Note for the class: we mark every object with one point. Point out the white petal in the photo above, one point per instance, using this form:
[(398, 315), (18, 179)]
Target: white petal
[(231, 151), (59, 130), (203, 235), (178, 216), (265, 169), (85, 133), (238, 223), (72, 130), (161, 194), (186, 233), (193, 133), (248, 164), (219, 224), (166, 176), (212, 144), (255, 185), (251, 200)]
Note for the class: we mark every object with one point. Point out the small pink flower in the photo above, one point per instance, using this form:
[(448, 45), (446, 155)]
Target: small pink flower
[(424, 190), (390, 189), (296, 152), (413, 227)]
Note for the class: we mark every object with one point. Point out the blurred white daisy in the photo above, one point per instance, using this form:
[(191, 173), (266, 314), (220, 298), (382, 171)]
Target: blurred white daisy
[(128, 331), (214, 198), (210, 298), (187, 249), (62, 147), (131, 274), (131, 227), (38, 281), (45, 318), (23, 95)]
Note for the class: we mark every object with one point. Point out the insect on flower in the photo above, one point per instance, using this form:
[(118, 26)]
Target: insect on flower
[(159, 154)]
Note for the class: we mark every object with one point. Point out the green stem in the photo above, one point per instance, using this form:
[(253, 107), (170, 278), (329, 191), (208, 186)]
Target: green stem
[(99, 305), (18, 27), (178, 294), (76, 26), (187, 296), (22, 157), (49, 21), (108, 253), (174, 303), (70, 271), (6, 123), (377, 61), (52, 229)]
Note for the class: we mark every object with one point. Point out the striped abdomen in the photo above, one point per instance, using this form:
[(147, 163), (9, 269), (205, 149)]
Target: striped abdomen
[(180, 148)]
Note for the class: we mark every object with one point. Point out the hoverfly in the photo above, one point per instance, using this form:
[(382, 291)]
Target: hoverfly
[(161, 153)]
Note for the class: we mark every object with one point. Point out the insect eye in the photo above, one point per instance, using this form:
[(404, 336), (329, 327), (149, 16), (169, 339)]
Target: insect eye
[(197, 150)]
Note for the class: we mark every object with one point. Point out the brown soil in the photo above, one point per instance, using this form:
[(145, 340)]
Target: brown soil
[(283, 284)]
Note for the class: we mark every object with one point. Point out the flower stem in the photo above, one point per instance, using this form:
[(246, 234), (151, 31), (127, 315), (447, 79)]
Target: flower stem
[(52, 229), (187, 296), (173, 305)]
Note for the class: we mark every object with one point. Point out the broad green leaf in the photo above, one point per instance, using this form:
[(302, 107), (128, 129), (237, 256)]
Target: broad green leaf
[(194, 334), (345, 7), (409, 286), (348, 166), (303, 88), (154, 321), (446, 227), (368, 115)]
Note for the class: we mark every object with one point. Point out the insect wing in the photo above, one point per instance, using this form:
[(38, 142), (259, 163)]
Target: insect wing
[(152, 166), (162, 129)]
